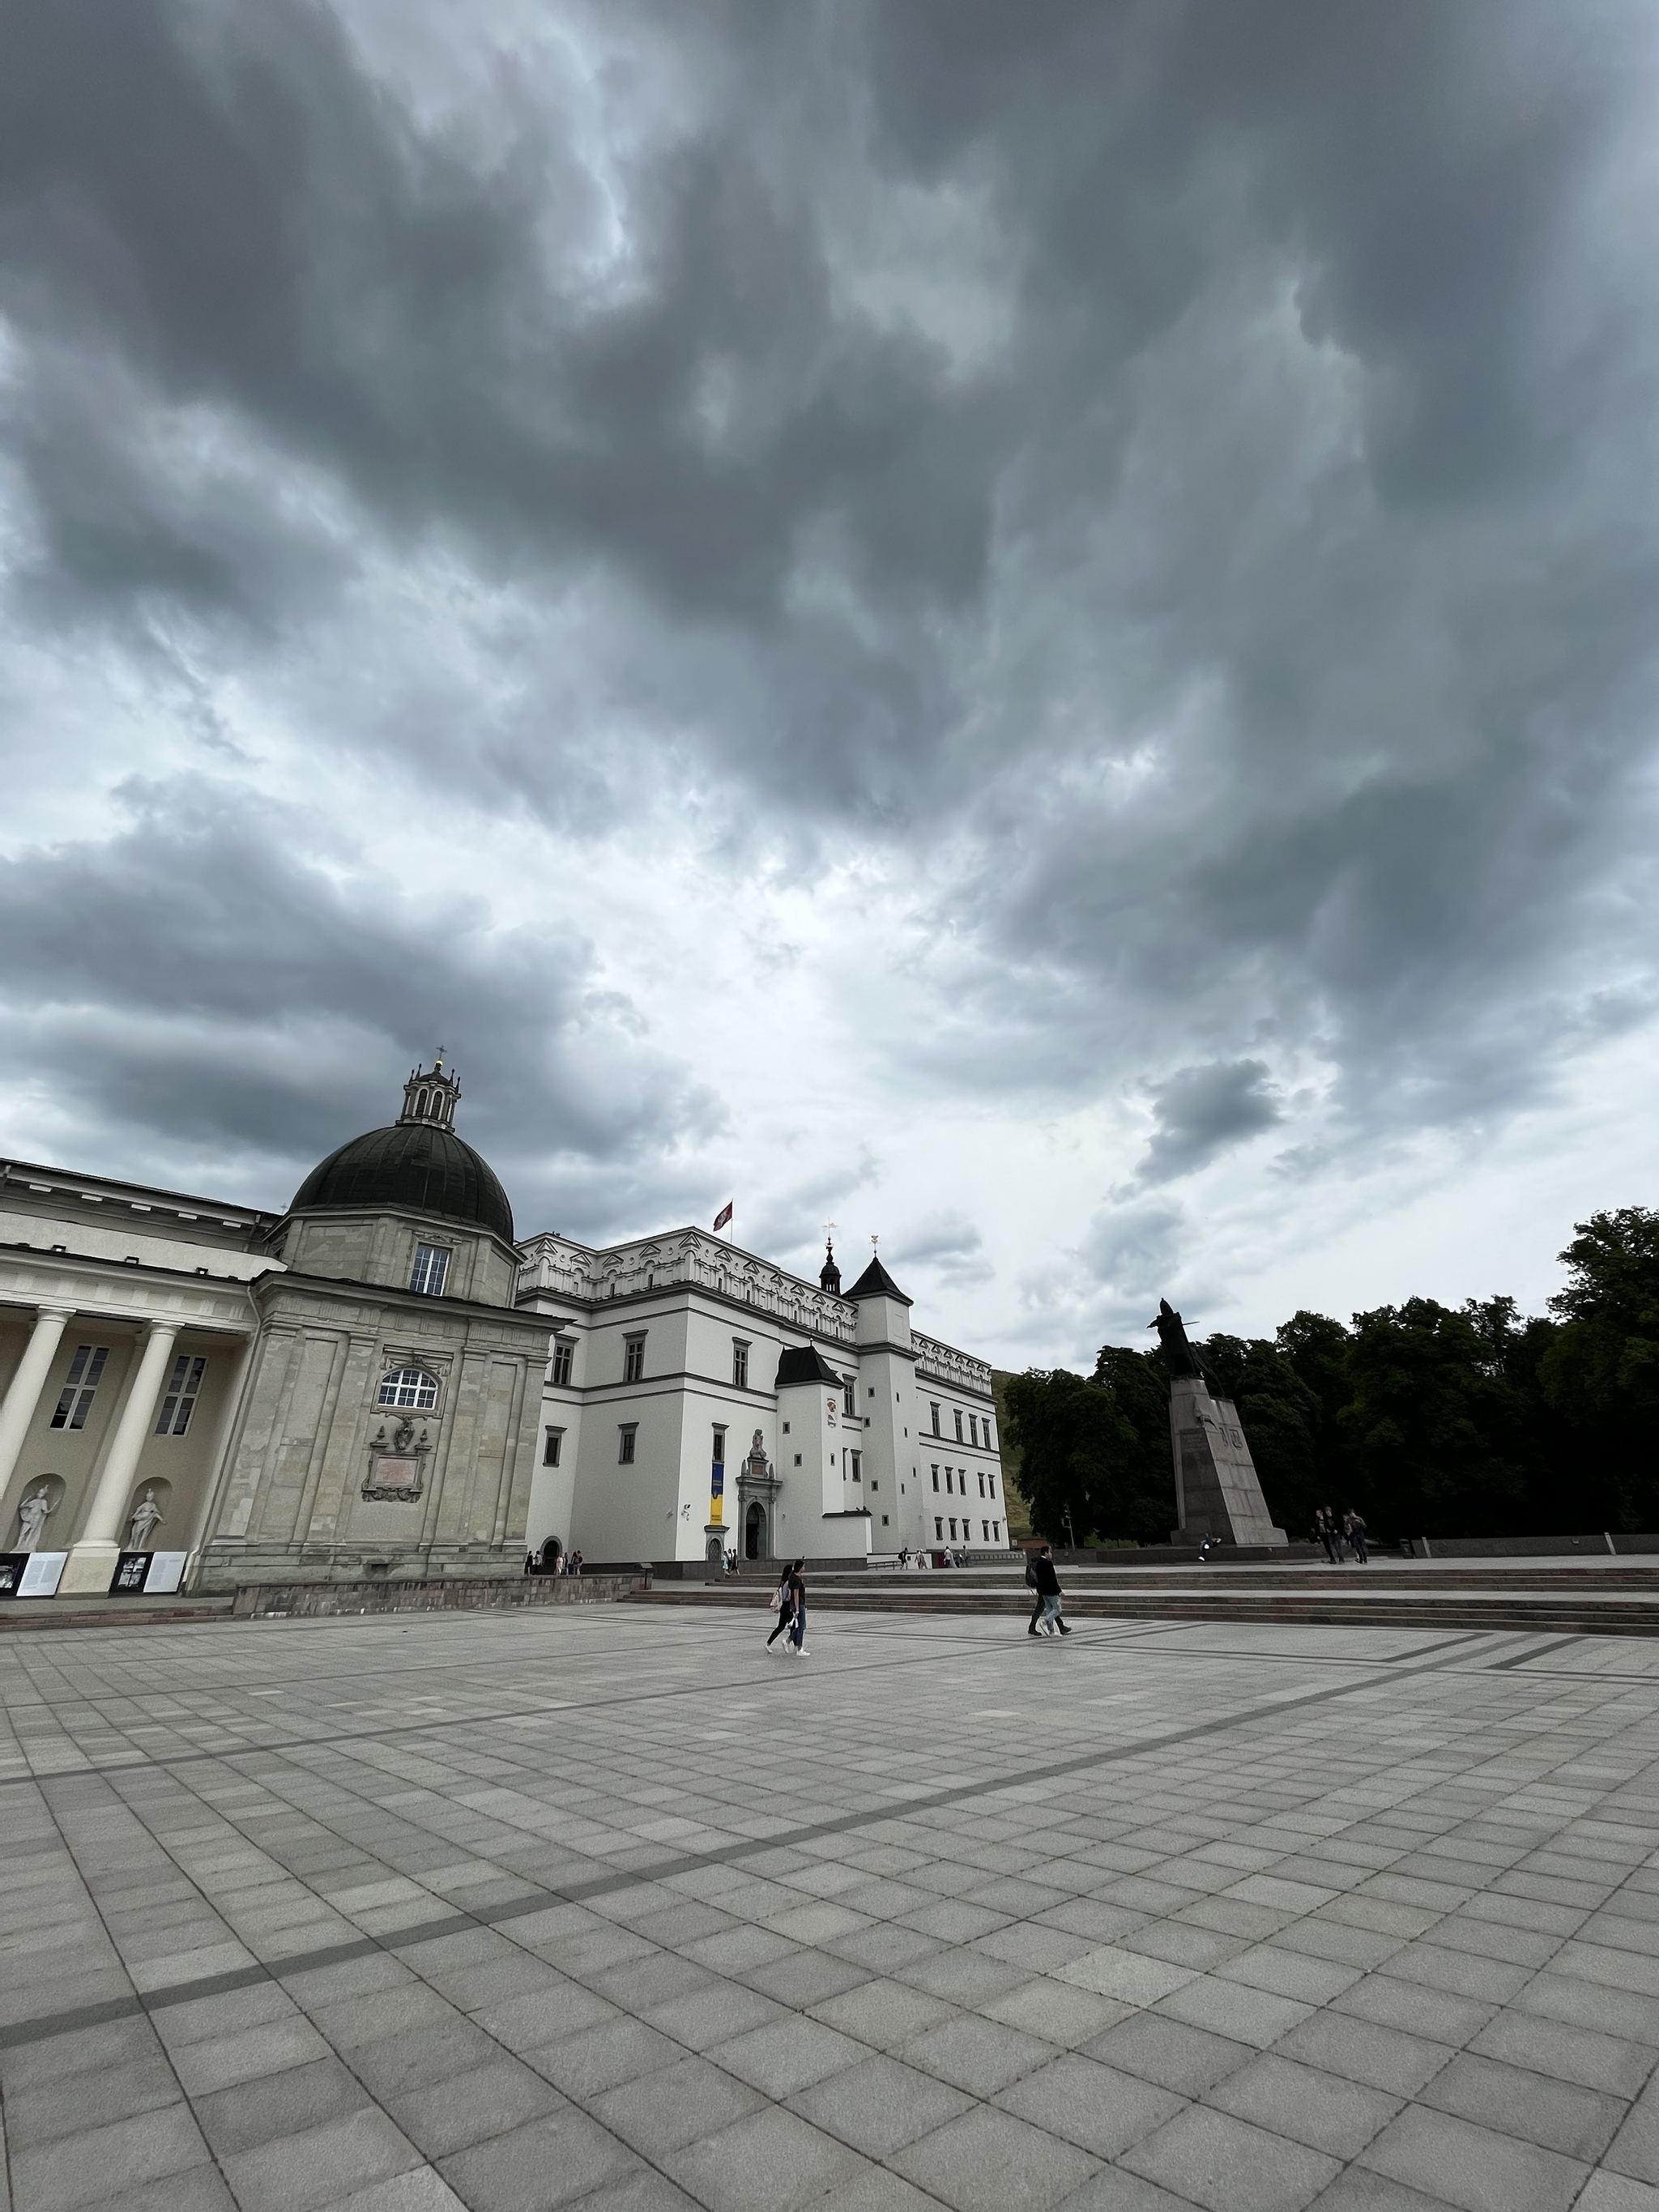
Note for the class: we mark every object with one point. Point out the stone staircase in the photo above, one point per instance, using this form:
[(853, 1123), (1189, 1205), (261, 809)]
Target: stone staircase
[(1621, 1599)]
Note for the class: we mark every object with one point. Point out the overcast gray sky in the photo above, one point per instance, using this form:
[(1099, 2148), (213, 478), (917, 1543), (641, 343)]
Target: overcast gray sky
[(1031, 628)]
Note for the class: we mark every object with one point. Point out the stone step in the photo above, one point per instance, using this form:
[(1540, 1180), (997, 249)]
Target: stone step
[(1568, 1614)]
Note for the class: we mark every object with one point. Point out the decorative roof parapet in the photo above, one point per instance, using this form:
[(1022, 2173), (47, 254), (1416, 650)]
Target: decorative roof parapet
[(691, 1256), (945, 1364)]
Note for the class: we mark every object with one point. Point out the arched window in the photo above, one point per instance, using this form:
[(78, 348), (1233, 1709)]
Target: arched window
[(411, 1387)]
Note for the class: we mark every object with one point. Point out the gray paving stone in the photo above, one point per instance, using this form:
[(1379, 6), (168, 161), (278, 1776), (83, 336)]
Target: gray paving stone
[(1617, 2193), (978, 2055), (788, 2055), (1325, 2111), (1559, 2115), (1635, 2149), (1177, 2057), (677, 2105), (79, 2169), (288, 2103), (551, 2161), (596, 2059), (72, 2106), (991, 2161), (1473, 2167), (772, 2162), (881, 2013), (879, 2105), (447, 2115), (1095, 2106), (301, 2171), (1228, 2165)]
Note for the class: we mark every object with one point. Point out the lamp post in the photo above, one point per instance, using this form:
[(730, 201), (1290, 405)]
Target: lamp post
[(1071, 1533)]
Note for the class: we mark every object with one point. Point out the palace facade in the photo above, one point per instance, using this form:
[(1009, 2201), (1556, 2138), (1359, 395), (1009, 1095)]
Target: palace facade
[(380, 1380)]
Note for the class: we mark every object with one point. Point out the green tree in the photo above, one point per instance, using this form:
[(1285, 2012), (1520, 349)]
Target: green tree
[(1599, 1371), (1282, 1419), (1078, 1452), (1435, 1433)]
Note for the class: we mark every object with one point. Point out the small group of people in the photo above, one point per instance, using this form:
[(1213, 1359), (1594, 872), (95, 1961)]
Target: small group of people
[(1040, 1577), (1332, 1534), (553, 1561), (788, 1601)]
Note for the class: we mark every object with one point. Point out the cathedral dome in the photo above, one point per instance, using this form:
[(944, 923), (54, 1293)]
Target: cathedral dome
[(418, 1163)]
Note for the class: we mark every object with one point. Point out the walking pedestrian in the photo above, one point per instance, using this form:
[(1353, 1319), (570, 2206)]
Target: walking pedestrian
[(1324, 1532), (1047, 1583), (783, 1604), (1353, 1527), (798, 1593), (1032, 1584)]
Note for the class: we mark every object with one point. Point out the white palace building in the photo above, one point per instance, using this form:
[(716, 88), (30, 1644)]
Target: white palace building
[(382, 1380)]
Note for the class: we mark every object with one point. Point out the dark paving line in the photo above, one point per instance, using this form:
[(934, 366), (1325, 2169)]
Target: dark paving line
[(945, 1643), (1518, 1658), (608, 1885), (948, 1643)]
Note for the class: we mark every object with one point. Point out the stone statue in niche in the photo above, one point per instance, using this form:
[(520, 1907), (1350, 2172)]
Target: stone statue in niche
[(31, 1518), (147, 1518)]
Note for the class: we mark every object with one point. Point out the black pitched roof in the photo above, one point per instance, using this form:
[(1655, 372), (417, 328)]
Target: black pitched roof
[(875, 1283), (804, 1363)]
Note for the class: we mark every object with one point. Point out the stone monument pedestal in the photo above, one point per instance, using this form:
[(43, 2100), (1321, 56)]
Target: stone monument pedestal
[(1218, 1493)]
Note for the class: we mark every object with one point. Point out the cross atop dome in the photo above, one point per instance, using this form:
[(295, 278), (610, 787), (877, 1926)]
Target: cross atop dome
[(430, 1096)]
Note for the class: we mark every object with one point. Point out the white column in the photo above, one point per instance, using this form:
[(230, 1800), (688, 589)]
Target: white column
[(23, 1394), (91, 1562)]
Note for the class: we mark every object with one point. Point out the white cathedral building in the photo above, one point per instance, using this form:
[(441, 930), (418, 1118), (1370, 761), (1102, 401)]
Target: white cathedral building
[(382, 1381)]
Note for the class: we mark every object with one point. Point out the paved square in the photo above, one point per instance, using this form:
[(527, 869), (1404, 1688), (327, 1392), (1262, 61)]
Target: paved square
[(607, 1907)]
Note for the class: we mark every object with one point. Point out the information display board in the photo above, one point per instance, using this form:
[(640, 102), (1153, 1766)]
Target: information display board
[(167, 1571), (43, 1574)]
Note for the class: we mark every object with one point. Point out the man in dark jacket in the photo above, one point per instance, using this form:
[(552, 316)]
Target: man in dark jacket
[(1048, 1586)]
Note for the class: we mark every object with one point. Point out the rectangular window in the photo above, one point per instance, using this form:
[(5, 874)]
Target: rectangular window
[(934, 1410), (986, 1526), (939, 1530), (956, 1411), (991, 1482), (936, 1478), (981, 1485), (849, 1391), (719, 1447), (81, 1386), (953, 1532), (996, 1530), (973, 1429), (562, 1349), (634, 1359), (626, 1432), (552, 1446), (989, 1443), (857, 1461), (431, 1271), (739, 1364), (180, 1402)]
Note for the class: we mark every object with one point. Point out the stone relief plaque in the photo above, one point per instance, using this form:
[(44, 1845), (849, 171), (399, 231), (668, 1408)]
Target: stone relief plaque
[(396, 1461)]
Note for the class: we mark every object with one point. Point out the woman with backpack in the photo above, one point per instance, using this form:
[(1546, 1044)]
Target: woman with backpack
[(782, 1602)]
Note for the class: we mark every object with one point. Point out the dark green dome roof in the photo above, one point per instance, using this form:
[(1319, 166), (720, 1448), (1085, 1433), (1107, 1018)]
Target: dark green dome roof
[(413, 1163)]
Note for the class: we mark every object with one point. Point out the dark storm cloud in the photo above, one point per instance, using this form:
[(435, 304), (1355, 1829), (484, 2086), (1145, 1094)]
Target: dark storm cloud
[(192, 984), (1195, 465), (1201, 1111)]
